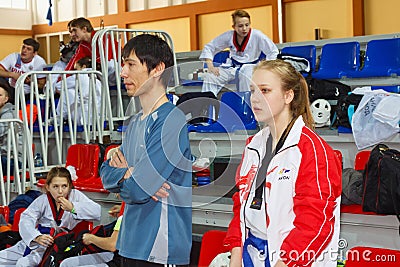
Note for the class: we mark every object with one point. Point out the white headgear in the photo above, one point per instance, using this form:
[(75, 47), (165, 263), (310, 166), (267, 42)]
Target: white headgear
[(321, 112)]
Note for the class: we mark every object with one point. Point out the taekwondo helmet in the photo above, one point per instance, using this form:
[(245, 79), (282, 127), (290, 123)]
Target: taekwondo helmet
[(321, 112)]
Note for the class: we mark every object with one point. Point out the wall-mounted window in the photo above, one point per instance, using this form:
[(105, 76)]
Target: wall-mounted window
[(17, 4)]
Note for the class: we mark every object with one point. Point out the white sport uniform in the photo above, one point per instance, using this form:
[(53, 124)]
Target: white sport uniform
[(39, 212), (84, 80), (92, 260), (248, 54), (12, 64)]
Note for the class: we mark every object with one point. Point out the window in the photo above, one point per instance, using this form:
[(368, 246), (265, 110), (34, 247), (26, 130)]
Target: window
[(17, 4)]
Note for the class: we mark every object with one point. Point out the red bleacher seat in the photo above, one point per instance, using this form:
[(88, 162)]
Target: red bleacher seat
[(17, 216), (372, 257), (5, 211), (85, 159), (212, 244), (95, 184), (361, 160), (339, 155)]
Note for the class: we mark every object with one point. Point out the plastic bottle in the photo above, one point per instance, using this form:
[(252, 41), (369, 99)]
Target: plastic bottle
[(38, 162)]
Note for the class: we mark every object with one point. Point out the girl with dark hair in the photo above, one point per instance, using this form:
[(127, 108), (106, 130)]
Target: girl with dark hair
[(61, 206)]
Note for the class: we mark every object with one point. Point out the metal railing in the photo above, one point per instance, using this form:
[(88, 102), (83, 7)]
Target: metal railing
[(112, 41), (20, 151), (81, 115)]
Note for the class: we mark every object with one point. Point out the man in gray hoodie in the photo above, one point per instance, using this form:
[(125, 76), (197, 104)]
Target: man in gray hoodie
[(7, 111)]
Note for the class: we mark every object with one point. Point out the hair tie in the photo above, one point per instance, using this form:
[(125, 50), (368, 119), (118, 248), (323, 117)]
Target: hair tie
[(72, 171)]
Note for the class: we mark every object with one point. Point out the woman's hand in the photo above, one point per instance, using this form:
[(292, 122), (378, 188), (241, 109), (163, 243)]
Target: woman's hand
[(65, 204), (236, 257), (44, 240), (280, 264)]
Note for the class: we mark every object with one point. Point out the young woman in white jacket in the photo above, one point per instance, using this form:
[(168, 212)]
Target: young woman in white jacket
[(286, 212)]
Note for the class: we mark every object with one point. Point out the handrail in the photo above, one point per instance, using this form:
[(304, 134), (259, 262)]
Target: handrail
[(51, 129), (116, 38), (22, 151)]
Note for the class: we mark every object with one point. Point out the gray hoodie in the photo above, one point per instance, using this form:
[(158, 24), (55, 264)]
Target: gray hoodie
[(8, 112)]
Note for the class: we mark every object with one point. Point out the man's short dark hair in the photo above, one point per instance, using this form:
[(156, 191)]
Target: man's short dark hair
[(81, 23), (152, 50), (32, 42)]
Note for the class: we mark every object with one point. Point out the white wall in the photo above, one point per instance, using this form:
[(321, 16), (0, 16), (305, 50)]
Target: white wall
[(65, 10), (16, 19)]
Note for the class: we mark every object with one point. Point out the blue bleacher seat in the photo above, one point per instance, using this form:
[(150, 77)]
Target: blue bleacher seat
[(305, 51), (382, 58), (234, 114), (337, 60), (387, 88), (218, 59)]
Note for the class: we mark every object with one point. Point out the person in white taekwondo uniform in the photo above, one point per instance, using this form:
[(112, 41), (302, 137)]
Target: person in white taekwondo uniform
[(245, 46), (61, 206)]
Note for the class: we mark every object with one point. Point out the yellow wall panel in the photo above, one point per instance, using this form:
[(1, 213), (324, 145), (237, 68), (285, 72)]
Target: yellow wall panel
[(333, 17), (381, 16), (11, 44), (212, 25), (179, 29)]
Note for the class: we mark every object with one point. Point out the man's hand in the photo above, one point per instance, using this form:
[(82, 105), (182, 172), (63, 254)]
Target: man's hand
[(118, 161), (162, 192), (14, 75)]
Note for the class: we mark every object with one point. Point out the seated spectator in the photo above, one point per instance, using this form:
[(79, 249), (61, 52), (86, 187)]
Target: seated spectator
[(245, 46), (101, 258), (61, 206), (7, 111), (66, 53), (16, 64), (84, 64), (81, 31)]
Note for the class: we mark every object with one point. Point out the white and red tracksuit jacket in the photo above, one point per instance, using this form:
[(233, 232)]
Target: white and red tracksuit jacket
[(300, 218)]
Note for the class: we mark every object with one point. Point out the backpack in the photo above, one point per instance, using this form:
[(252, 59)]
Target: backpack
[(352, 187), (22, 201), (9, 239), (382, 182), (65, 245), (70, 244), (326, 89), (345, 109), (197, 106), (300, 64)]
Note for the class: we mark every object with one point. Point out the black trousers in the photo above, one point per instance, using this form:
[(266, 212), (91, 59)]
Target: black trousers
[(119, 261)]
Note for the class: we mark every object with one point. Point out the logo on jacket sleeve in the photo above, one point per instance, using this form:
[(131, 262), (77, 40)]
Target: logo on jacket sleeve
[(284, 174)]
